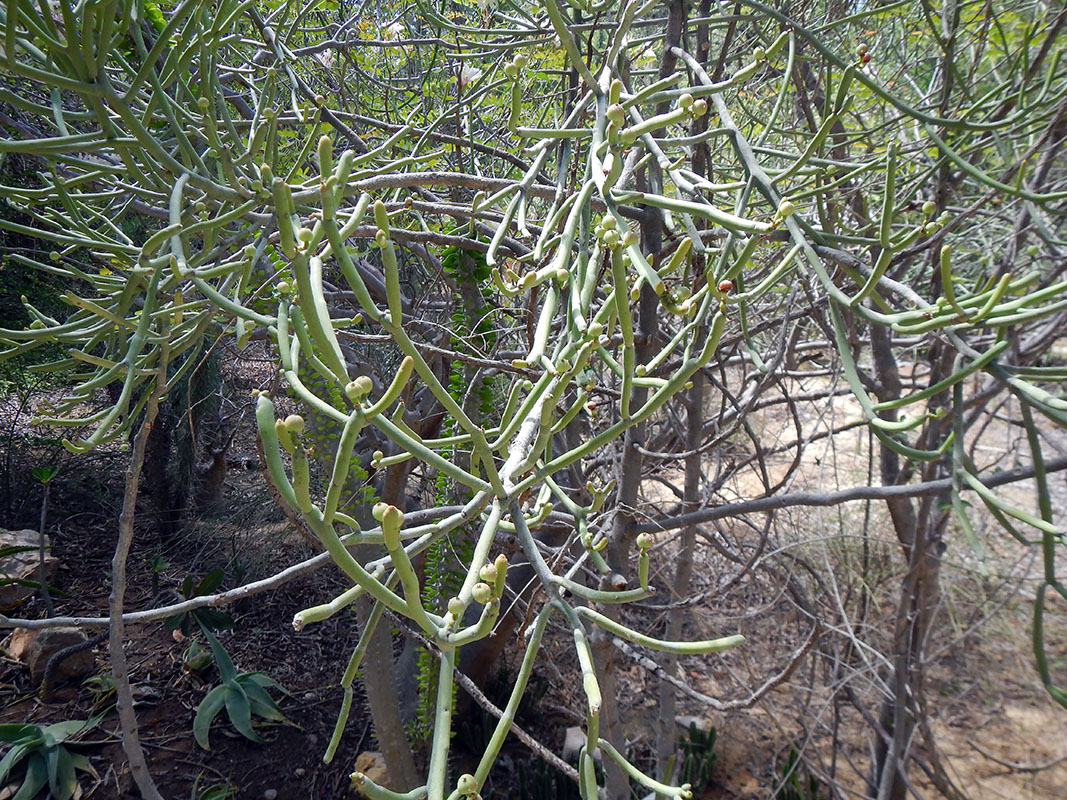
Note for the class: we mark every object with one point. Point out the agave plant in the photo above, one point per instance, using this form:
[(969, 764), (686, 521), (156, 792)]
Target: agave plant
[(47, 758), (241, 694)]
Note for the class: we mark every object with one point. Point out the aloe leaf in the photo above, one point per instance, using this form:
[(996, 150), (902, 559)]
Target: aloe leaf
[(222, 659), (240, 712), (18, 732), (61, 779), (209, 707), (10, 759), (36, 778), (262, 703), (62, 731), (265, 681)]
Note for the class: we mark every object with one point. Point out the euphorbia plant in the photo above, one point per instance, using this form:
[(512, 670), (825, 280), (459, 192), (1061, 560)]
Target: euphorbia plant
[(648, 210)]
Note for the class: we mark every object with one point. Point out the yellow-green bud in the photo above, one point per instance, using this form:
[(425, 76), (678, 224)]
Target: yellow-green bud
[(929, 207), (303, 235), (786, 208), (608, 222), (616, 113), (359, 388), (381, 238), (467, 785), (759, 54), (392, 517), (488, 573), (520, 60), (294, 423), (456, 607), (699, 108), (511, 70), (381, 215), (630, 238), (482, 593), (284, 288), (203, 103), (685, 101), (54, 255), (644, 541), (378, 512)]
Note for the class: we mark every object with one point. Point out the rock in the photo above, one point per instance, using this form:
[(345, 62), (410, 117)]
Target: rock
[(34, 647), (372, 765), (684, 722), (22, 566), (573, 742)]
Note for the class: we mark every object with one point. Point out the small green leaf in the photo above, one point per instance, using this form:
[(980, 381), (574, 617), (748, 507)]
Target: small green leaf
[(214, 619), (210, 582), (45, 474)]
